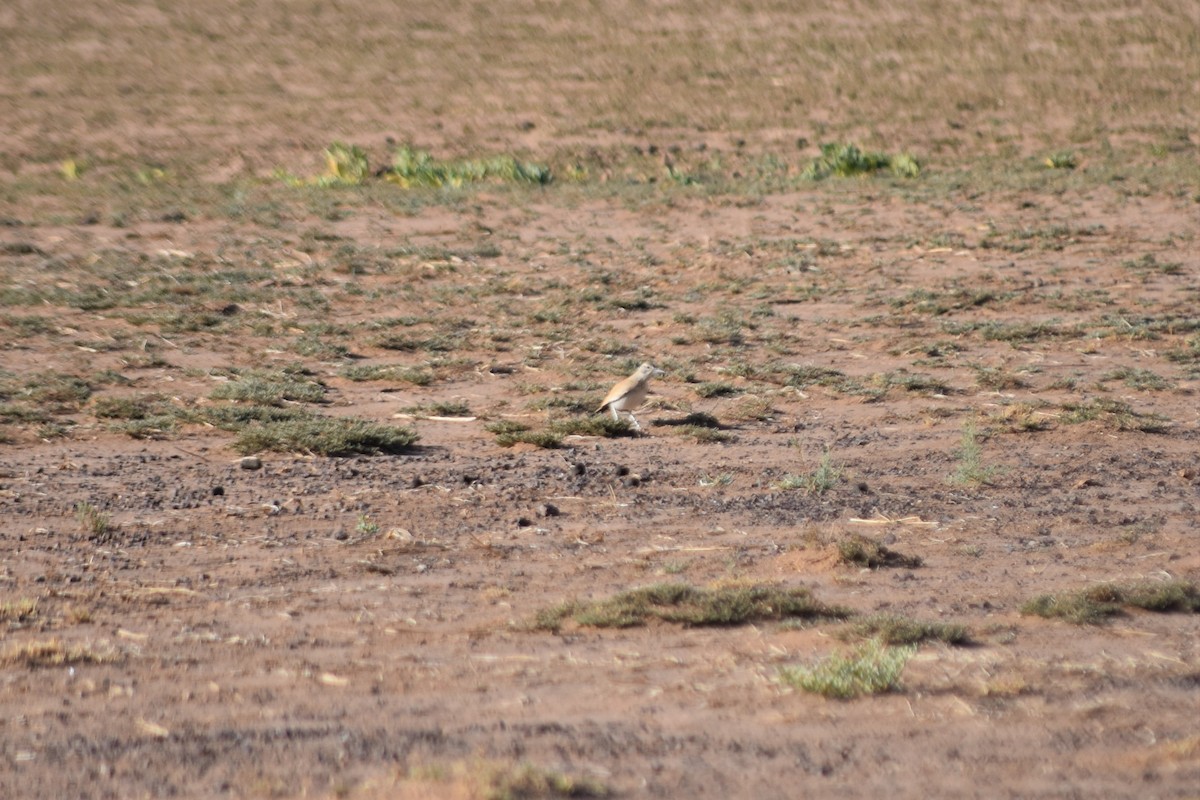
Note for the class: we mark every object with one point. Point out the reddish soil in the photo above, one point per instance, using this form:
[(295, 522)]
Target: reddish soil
[(327, 627)]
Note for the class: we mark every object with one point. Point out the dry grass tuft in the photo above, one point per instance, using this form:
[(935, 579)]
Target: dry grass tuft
[(54, 653)]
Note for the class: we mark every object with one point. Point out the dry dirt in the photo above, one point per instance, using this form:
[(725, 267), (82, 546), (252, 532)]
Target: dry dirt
[(350, 626)]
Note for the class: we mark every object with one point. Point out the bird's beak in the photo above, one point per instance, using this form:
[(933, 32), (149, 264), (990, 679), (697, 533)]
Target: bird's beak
[(658, 371)]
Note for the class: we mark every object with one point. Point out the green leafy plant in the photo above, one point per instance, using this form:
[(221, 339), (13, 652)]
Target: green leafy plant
[(845, 160), (1064, 159), (345, 164)]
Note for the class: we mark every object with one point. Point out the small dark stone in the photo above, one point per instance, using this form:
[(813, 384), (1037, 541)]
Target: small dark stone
[(218, 491), (548, 510), (862, 487), (417, 482), (523, 522), (579, 467), (633, 480), (622, 472)]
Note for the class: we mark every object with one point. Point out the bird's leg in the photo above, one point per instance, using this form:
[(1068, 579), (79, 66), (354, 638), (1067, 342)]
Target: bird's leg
[(633, 419), (616, 417)]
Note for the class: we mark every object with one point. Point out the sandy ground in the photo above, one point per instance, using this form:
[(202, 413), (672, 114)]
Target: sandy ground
[(325, 627)]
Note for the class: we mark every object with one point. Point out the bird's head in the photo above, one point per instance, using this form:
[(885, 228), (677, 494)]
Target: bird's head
[(648, 369)]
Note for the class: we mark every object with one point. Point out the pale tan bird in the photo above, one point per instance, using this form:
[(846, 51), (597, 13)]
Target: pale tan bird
[(630, 393)]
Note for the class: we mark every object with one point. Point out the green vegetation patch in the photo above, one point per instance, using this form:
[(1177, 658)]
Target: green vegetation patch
[(349, 165), (509, 432), (689, 605), (840, 160), (270, 388), (892, 629), (717, 389), (50, 392), (325, 436), (1116, 414), (594, 425), (800, 376), (971, 471), (417, 376), (864, 551), (133, 408), (820, 480), (701, 427), (1095, 604), (492, 781), (441, 408), (93, 521), (418, 168), (871, 668), (149, 416), (1142, 380)]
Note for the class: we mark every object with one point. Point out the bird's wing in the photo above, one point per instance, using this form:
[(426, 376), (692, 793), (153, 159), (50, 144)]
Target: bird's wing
[(617, 392)]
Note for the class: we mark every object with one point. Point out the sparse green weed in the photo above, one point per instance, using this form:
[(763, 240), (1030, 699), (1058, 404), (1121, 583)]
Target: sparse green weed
[(971, 471), (1095, 604), (872, 668), (820, 480), (892, 629), (325, 436), (93, 521), (863, 551), (418, 168), (270, 388), (1116, 414), (679, 602), (847, 160)]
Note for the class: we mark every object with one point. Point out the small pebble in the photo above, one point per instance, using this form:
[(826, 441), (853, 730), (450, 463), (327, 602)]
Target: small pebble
[(250, 462)]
